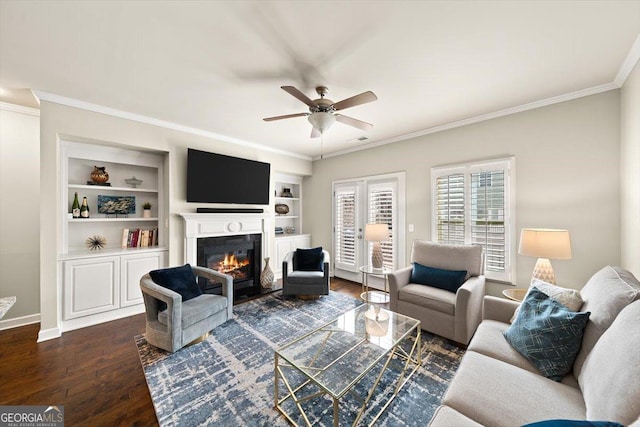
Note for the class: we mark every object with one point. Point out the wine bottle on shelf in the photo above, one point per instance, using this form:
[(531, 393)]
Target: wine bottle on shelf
[(84, 209), (75, 207)]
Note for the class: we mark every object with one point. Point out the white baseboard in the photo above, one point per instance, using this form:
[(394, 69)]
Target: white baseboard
[(19, 321), (49, 334)]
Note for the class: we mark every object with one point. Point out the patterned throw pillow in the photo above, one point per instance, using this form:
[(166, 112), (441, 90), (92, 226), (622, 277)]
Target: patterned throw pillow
[(547, 333), (570, 298)]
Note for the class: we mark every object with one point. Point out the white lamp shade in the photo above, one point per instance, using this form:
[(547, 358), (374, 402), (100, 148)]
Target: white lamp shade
[(376, 232), (545, 243), (321, 120)]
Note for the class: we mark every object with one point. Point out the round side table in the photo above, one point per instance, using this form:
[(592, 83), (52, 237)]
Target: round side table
[(376, 297), (515, 294)]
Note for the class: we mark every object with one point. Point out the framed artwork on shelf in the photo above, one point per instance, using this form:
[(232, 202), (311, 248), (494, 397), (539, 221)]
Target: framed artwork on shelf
[(116, 205)]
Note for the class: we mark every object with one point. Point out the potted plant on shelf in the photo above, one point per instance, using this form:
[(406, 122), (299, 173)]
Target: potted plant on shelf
[(146, 212)]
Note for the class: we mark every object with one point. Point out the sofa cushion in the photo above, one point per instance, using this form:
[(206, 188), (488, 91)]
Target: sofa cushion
[(447, 417), (428, 297), (547, 334), (612, 369), (570, 298), (449, 257), (179, 279), (605, 295), (308, 259), (449, 280), (197, 309), (494, 393)]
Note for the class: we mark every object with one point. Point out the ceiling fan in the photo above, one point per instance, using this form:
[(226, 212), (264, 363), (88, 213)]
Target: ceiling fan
[(322, 110)]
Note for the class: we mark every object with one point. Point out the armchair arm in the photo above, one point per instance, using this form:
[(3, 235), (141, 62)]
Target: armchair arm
[(287, 265), (397, 280), (468, 308), (152, 293), (500, 309), (227, 284)]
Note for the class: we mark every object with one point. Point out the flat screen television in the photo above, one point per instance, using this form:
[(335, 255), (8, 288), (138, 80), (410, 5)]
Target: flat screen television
[(216, 178)]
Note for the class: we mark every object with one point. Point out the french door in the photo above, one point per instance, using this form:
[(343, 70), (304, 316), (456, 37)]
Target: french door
[(375, 199)]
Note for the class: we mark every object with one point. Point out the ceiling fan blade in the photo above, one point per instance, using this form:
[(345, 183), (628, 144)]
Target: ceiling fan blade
[(363, 98), (296, 93), (315, 133), (353, 122), (287, 116)]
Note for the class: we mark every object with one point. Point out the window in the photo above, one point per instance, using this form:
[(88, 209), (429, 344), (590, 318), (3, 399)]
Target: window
[(473, 204), (381, 211), (346, 225)]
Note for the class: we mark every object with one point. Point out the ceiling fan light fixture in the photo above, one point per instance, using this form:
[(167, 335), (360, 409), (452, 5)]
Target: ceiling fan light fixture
[(322, 120)]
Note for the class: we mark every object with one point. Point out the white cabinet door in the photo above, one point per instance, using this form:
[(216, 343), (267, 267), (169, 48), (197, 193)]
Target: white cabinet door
[(283, 247), (301, 242), (91, 286), (132, 268)]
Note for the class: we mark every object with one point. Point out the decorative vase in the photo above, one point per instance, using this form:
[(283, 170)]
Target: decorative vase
[(286, 192), (266, 277), (146, 213), (99, 175), (282, 209)]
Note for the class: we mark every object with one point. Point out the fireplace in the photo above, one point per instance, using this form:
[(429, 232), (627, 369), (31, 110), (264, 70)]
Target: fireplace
[(236, 255)]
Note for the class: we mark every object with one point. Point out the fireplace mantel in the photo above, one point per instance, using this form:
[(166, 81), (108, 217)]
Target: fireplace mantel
[(199, 225)]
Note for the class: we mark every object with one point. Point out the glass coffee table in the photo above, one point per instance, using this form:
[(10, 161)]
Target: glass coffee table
[(335, 359)]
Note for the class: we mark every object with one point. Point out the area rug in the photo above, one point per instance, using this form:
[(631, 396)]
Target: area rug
[(227, 380)]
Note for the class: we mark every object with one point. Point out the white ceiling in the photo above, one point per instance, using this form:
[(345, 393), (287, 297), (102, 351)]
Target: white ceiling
[(217, 66)]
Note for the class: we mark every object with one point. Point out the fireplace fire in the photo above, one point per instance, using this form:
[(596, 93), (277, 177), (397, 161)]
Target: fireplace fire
[(238, 256)]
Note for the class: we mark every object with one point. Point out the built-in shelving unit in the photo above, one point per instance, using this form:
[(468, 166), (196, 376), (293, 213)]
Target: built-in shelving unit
[(103, 284)]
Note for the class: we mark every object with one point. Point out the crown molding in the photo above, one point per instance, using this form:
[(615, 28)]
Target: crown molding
[(481, 118), (628, 63), (5, 106), (76, 103)]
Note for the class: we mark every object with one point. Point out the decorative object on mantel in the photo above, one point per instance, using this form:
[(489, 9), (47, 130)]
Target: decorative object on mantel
[(96, 242), (116, 205), (286, 192), (99, 176), (146, 210), (133, 181), (266, 277), (282, 209)]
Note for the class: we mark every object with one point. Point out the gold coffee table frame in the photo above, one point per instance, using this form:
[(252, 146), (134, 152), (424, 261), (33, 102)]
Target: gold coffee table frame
[(335, 357)]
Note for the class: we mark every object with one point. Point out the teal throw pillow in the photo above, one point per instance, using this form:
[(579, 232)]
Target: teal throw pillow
[(547, 333), (178, 279), (308, 259), (449, 280), (573, 423)]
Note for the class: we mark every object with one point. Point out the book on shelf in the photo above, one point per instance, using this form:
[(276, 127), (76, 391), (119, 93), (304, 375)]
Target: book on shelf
[(139, 238)]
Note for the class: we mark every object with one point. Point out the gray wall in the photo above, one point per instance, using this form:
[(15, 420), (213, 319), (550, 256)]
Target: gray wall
[(630, 171), (567, 176), (19, 212)]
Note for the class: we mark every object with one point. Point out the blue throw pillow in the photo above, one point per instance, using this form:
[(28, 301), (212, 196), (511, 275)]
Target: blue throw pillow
[(178, 279), (308, 259), (573, 423), (449, 280), (547, 333)]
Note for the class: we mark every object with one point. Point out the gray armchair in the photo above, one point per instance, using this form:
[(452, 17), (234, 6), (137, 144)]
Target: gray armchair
[(451, 315), (304, 282), (183, 322)]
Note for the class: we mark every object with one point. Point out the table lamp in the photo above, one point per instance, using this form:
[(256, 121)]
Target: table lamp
[(376, 233), (545, 244)]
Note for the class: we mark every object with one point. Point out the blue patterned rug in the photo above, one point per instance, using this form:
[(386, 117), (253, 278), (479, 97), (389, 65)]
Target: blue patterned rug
[(227, 380)]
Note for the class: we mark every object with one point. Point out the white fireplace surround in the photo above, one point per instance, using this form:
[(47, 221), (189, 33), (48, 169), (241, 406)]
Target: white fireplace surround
[(199, 225)]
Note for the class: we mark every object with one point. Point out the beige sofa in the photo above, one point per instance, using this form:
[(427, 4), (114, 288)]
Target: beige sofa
[(496, 386)]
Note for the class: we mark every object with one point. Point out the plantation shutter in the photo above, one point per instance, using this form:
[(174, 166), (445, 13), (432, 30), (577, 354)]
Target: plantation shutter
[(471, 206), (345, 227), (382, 200), (450, 209), (488, 217)]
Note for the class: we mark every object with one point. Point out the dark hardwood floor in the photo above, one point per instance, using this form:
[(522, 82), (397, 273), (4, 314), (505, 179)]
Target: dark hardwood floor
[(94, 372)]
